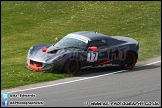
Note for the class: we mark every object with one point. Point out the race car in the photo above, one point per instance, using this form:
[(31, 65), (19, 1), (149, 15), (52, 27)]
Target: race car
[(82, 50)]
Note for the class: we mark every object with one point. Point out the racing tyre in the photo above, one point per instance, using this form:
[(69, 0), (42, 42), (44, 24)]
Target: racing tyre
[(129, 60), (71, 66)]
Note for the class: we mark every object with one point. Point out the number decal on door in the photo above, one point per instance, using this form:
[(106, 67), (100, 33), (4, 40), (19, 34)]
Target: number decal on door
[(92, 56)]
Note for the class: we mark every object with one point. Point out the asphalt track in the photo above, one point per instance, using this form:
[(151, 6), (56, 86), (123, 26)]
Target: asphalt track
[(140, 86)]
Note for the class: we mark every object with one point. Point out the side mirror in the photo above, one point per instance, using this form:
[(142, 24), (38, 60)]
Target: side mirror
[(93, 48)]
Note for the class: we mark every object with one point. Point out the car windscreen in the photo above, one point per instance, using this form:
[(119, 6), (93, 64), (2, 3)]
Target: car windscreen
[(69, 42)]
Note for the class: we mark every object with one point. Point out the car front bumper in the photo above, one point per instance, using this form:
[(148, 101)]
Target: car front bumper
[(55, 66)]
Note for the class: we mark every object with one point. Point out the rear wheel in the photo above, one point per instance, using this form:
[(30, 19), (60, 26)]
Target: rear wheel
[(129, 60), (71, 66)]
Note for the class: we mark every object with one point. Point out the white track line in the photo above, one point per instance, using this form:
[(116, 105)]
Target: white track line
[(148, 64), (152, 63), (81, 79), (69, 81)]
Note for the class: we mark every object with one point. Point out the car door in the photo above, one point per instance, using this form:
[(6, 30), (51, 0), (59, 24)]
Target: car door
[(97, 52)]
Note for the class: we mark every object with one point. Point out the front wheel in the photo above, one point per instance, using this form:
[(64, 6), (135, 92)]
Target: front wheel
[(129, 60), (71, 66)]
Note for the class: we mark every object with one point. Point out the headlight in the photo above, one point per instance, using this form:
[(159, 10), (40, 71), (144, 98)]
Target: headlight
[(55, 58), (30, 50)]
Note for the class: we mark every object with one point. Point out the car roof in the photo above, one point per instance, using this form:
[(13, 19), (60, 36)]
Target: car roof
[(91, 35)]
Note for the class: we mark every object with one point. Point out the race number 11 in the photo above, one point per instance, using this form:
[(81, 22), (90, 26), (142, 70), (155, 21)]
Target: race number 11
[(92, 56)]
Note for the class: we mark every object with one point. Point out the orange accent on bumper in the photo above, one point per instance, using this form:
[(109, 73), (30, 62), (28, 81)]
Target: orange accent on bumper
[(37, 68)]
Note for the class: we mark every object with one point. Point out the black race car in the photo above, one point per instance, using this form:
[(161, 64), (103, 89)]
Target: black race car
[(82, 50)]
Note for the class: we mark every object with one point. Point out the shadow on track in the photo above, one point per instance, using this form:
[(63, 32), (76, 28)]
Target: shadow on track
[(104, 70)]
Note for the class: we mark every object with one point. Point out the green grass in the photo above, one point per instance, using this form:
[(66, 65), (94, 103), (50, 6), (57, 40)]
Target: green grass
[(25, 23)]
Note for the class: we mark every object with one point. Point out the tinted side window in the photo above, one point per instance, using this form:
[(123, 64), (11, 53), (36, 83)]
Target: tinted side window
[(99, 43)]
